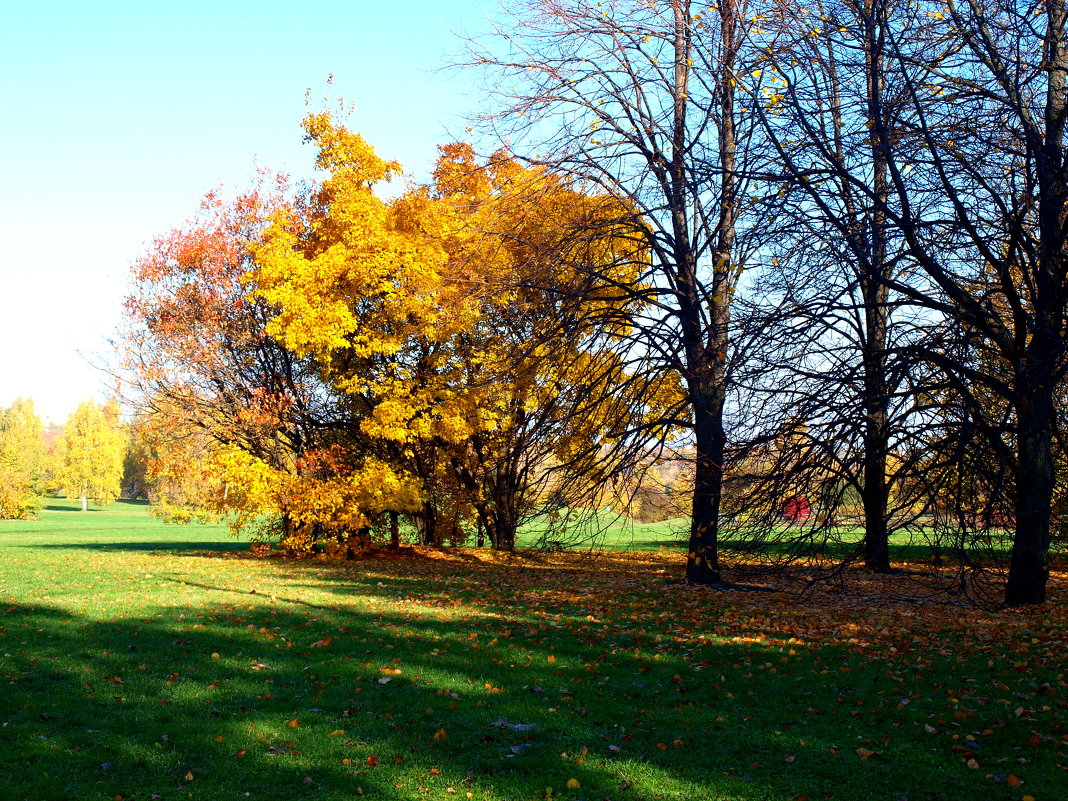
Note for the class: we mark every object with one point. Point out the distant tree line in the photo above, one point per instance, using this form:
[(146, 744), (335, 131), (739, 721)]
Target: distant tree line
[(87, 459)]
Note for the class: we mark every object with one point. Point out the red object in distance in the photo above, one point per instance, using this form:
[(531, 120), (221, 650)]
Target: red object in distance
[(797, 510)]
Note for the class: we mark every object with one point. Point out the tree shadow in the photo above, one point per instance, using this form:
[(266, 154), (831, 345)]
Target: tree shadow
[(283, 699), (139, 710)]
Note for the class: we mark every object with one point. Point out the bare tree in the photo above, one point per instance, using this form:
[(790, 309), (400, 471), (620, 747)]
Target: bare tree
[(976, 192), (639, 100)]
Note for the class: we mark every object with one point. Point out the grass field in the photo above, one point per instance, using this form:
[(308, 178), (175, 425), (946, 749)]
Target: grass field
[(144, 661)]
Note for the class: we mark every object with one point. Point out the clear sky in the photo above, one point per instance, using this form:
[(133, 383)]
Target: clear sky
[(121, 114)]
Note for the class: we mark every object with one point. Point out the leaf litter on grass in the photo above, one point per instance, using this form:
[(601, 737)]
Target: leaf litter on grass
[(506, 675)]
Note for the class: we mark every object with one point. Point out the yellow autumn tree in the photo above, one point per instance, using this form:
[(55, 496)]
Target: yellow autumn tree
[(366, 299), (459, 324), (544, 258), (91, 454), (229, 415), (21, 459)]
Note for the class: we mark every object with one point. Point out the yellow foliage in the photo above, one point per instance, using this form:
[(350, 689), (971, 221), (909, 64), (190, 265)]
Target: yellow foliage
[(454, 316), (91, 453)]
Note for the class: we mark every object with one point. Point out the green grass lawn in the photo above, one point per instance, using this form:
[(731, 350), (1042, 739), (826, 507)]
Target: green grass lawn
[(609, 531), (145, 661)]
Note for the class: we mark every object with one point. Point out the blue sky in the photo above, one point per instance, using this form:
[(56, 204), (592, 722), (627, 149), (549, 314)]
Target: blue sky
[(119, 116)]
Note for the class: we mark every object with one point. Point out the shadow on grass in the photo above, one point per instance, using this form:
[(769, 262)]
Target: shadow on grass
[(215, 702), (311, 680)]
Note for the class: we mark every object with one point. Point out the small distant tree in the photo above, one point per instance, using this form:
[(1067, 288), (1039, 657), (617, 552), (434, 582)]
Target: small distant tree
[(91, 454), (21, 459), (135, 467)]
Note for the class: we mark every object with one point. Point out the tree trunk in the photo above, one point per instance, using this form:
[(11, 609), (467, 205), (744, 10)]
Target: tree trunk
[(288, 528), (502, 520), (497, 518), (1029, 564), (394, 530), (705, 344), (426, 524), (505, 526), (875, 491), (702, 562), (874, 497), (1036, 411)]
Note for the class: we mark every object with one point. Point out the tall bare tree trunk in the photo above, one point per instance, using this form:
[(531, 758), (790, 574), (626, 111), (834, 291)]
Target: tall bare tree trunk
[(1036, 375), (1029, 562), (875, 488), (706, 344)]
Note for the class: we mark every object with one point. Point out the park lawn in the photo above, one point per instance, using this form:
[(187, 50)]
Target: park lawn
[(142, 661), (608, 531)]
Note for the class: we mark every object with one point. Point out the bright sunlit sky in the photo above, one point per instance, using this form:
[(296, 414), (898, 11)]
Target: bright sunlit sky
[(120, 115)]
